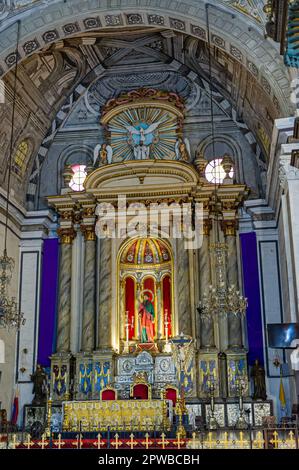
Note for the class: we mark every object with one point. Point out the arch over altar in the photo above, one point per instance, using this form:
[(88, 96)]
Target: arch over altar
[(146, 305)]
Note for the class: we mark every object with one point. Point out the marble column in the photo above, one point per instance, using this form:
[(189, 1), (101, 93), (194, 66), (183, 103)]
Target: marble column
[(105, 293), (235, 340), (89, 289), (184, 313), (207, 336), (64, 294)]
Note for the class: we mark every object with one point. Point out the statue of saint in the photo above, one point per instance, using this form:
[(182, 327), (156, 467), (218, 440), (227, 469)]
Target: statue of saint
[(147, 319), (259, 382), (39, 380)]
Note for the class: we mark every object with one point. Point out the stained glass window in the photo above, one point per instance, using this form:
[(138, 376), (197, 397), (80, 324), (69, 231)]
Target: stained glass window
[(215, 173), (78, 178)]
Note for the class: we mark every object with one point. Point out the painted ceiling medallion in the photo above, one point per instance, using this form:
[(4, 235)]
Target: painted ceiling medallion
[(144, 124)]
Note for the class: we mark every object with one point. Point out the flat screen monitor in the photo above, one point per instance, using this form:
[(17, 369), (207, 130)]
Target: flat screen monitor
[(281, 335)]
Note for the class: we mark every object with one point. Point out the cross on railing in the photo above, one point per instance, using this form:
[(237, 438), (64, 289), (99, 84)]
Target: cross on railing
[(28, 443), (163, 442), (275, 441), (116, 443), (59, 443), (147, 443), (259, 441), (132, 443), (43, 443)]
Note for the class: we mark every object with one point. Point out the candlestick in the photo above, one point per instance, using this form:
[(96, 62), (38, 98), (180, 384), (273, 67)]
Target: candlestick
[(127, 332)]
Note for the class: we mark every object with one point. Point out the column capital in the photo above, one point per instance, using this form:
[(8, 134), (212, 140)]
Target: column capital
[(88, 232), (229, 227), (66, 235)]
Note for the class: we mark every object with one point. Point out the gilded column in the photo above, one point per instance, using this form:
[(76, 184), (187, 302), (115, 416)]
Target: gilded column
[(105, 293), (234, 323), (207, 336), (89, 288), (67, 235)]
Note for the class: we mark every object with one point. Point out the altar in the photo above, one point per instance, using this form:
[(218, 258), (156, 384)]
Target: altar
[(116, 415)]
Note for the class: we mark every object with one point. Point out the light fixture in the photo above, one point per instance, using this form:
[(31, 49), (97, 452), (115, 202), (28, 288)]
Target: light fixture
[(220, 300), (10, 316)]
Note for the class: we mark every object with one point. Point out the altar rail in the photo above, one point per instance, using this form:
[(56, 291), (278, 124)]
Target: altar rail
[(225, 439)]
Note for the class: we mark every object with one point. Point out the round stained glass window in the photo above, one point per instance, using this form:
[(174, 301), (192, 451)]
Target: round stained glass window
[(78, 178), (214, 172)]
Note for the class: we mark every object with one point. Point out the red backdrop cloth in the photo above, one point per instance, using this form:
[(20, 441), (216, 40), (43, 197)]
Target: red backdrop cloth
[(166, 286), (108, 395), (140, 391), (130, 304), (171, 394)]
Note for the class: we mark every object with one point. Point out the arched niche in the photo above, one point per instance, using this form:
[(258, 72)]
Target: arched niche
[(145, 273)]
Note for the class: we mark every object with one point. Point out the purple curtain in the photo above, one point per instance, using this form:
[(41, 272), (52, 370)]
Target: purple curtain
[(48, 303), (252, 292)]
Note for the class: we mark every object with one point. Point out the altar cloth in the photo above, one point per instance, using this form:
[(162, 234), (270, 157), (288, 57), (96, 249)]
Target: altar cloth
[(117, 415)]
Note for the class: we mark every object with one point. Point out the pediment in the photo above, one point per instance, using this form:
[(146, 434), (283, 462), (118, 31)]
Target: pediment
[(145, 176)]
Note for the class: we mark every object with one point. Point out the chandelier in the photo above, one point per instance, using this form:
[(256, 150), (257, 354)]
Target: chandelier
[(221, 300), (10, 317)]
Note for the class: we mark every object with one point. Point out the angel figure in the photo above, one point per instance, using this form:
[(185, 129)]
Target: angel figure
[(182, 149), (102, 154)]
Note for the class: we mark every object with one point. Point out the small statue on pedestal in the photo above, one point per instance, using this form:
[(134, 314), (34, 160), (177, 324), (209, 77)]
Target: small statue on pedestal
[(259, 382), (39, 380)]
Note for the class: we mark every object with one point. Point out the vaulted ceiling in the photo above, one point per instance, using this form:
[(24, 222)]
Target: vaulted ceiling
[(83, 43)]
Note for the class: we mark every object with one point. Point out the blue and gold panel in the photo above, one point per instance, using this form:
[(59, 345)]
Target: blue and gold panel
[(236, 373), (85, 378), (102, 372), (208, 374), (59, 380)]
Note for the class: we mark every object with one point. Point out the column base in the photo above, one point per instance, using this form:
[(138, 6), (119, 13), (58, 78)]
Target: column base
[(62, 373), (208, 365), (103, 371), (236, 371), (84, 376)]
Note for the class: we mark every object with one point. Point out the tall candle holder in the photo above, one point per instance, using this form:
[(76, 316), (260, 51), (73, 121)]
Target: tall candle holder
[(241, 387), (167, 345), (127, 325), (213, 423)]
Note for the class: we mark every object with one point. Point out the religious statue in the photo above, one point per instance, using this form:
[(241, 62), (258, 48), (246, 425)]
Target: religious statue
[(141, 138), (147, 318), (103, 154), (39, 380), (259, 383), (182, 149)]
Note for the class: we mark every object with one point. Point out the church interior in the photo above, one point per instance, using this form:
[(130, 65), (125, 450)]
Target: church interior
[(149, 236)]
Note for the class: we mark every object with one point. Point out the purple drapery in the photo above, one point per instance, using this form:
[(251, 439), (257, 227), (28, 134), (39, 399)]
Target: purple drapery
[(48, 303), (252, 292)]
